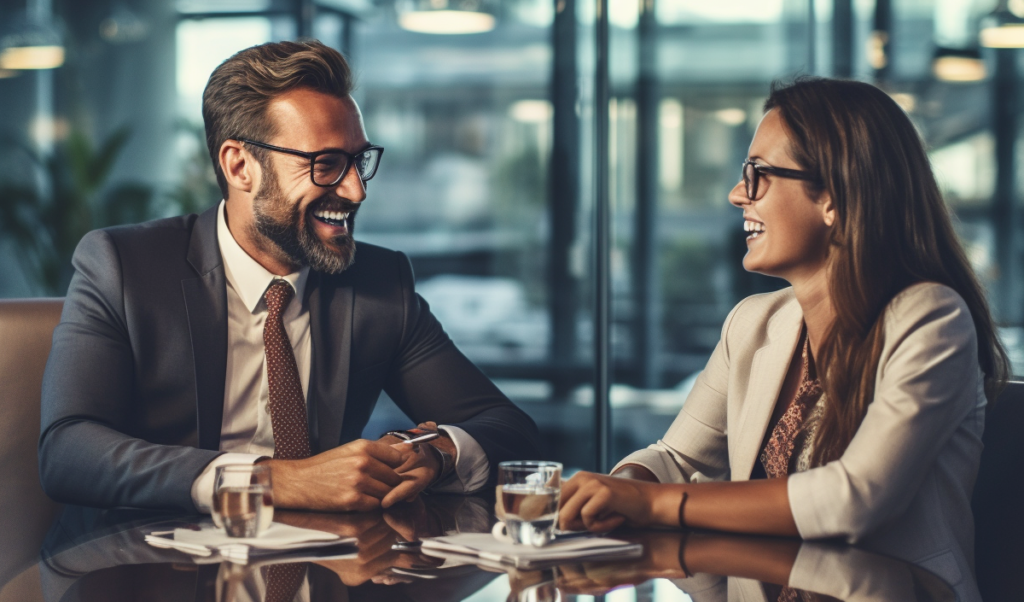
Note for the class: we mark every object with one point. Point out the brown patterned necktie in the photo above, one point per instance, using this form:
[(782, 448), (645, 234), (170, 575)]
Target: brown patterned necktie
[(284, 581), (287, 403), (287, 418)]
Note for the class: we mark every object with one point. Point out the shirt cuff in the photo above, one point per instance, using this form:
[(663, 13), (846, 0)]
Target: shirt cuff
[(202, 487), (471, 465)]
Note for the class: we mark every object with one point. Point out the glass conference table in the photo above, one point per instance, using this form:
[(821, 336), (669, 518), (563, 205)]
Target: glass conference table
[(101, 555)]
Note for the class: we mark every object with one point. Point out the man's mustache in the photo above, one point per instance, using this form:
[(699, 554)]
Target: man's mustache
[(333, 203)]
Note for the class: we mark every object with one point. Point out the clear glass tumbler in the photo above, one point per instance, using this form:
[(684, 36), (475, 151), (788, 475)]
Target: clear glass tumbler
[(243, 499), (528, 494)]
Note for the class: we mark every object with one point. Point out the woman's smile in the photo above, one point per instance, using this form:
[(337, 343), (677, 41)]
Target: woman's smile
[(754, 229)]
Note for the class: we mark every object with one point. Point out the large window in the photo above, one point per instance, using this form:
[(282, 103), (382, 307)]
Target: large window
[(497, 171)]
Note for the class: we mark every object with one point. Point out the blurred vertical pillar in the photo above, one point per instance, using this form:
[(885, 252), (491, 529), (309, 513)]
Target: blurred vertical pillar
[(564, 196), (305, 12), (881, 41), (646, 287), (842, 38), (1004, 202), (42, 132), (602, 243), (812, 37), (348, 32)]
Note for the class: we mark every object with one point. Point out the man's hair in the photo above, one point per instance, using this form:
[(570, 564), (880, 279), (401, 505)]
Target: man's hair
[(236, 97)]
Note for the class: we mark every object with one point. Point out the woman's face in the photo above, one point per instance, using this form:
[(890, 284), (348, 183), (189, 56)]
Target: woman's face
[(787, 231)]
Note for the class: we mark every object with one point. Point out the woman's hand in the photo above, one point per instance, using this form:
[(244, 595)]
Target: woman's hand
[(601, 503)]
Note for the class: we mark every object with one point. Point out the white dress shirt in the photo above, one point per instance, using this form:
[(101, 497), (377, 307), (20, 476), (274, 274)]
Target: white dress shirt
[(246, 433)]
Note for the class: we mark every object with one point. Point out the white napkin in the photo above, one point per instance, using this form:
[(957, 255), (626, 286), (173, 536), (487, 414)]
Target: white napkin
[(490, 550), (278, 538)]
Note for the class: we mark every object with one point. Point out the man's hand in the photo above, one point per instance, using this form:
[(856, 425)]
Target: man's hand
[(419, 470), (422, 468), (354, 477)]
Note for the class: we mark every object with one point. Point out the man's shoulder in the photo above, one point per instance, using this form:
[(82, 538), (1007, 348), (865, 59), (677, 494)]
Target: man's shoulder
[(155, 233)]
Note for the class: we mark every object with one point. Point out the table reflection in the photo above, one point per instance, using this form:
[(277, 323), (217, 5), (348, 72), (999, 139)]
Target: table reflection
[(712, 566), (101, 555)]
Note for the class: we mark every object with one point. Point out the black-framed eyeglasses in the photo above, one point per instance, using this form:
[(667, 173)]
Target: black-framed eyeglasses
[(752, 175), (328, 167)]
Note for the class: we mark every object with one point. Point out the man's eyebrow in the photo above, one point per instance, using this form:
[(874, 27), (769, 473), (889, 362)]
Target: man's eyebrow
[(341, 150)]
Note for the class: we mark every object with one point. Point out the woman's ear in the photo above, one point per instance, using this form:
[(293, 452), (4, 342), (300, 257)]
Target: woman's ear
[(240, 169), (828, 209)]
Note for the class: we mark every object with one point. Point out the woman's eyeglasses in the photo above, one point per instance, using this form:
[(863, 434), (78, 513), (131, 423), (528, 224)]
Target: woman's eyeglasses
[(752, 176), (328, 167)]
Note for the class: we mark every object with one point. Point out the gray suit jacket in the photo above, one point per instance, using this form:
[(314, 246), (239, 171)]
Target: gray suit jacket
[(903, 486), (134, 386)]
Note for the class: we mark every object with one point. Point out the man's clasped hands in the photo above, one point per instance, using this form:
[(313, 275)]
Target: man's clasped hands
[(360, 476)]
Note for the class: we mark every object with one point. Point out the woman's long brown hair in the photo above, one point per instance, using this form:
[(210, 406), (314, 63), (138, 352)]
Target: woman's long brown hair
[(892, 230)]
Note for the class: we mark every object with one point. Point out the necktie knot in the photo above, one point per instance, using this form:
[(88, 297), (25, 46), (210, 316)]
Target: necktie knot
[(277, 296)]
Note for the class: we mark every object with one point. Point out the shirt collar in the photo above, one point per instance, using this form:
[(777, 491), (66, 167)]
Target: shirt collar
[(244, 274)]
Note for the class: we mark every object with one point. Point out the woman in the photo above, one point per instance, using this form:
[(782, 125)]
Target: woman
[(860, 390)]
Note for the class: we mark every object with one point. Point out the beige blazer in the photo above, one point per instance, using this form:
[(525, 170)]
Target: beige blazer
[(903, 486)]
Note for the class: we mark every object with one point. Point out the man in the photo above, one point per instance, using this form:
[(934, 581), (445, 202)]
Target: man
[(260, 331)]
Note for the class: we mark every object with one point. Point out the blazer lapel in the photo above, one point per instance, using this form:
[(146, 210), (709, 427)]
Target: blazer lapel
[(767, 374), (206, 305), (330, 322)]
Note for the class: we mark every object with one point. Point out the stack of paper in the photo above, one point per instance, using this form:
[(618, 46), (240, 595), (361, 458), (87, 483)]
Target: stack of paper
[(484, 548), (277, 539)]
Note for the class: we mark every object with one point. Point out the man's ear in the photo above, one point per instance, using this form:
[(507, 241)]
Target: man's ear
[(828, 209), (241, 170)]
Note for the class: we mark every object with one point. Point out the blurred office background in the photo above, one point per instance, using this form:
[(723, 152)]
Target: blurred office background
[(557, 172)]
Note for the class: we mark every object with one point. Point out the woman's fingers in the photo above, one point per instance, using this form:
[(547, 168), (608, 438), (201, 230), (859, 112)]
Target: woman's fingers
[(590, 504), (597, 507), (572, 501), (569, 487)]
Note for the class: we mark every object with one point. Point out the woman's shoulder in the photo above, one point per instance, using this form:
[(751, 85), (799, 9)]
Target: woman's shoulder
[(931, 314), (763, 306), (924, 299), (754, 318)]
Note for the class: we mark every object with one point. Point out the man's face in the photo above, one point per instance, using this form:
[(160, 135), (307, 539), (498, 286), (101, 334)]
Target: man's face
[(299, 222)]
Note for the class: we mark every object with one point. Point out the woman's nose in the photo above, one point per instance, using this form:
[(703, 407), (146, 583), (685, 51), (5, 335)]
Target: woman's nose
[(738, 195)]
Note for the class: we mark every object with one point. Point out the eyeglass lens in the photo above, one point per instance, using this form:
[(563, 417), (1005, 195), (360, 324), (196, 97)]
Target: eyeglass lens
[(330, 168), (750, 180)]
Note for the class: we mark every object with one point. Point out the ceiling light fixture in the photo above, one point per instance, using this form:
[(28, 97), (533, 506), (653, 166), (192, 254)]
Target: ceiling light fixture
[(958, 65), (445, 17), (1004, 27), (27, 43)]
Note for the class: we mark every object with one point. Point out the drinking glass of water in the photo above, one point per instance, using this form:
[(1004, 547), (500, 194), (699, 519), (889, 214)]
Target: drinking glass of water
[(243, 499), (528, 494)]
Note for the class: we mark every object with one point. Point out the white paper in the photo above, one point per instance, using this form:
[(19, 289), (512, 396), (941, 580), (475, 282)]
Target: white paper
[(485, 547), (278, 536)]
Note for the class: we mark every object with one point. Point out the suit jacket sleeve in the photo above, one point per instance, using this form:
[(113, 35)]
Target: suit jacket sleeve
[(87, 455), (695, 448), (432, 380)]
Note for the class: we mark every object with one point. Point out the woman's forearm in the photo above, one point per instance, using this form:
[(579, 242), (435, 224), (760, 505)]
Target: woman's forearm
[(760, 506)]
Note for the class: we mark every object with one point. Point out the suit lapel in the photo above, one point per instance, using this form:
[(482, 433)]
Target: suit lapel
[(330, 323), (206, 306), (767, 375)]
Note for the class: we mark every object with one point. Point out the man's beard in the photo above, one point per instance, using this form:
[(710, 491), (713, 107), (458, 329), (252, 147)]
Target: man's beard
[(280, 223)]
